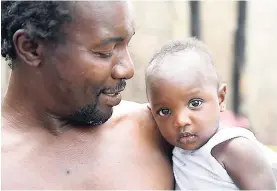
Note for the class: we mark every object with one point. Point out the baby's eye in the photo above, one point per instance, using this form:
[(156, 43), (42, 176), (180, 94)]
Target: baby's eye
[(164, 112), (195, 103)]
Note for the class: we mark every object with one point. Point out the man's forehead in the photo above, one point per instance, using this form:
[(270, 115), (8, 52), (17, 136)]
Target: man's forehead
[(103, 10), (97, 23), (103, 15)]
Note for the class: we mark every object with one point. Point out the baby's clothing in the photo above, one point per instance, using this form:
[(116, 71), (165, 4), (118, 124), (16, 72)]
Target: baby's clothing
[(200, 170)]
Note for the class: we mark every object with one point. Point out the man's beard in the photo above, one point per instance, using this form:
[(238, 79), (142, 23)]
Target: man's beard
[(90, 115), (87, 116)]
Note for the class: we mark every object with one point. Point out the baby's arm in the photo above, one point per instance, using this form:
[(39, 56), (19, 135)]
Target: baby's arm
[(245, 164)]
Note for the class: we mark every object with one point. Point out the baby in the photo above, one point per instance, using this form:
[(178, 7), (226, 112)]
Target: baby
[(186, 97)]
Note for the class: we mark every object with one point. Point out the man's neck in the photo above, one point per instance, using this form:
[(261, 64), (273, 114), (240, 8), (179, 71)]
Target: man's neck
[(22, 110)]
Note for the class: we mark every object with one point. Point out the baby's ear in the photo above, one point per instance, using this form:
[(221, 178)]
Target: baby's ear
[(222, 96)]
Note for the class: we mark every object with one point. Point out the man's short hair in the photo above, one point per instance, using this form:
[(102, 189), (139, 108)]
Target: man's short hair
[(42, 20)]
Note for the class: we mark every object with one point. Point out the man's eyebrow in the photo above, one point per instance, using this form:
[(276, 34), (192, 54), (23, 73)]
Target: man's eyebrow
[(111, 40)]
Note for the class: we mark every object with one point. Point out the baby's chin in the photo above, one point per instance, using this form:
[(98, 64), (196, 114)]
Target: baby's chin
[(189, 146)]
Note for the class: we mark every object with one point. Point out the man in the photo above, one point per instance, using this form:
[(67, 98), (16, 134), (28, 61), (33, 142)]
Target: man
[(60, 126)]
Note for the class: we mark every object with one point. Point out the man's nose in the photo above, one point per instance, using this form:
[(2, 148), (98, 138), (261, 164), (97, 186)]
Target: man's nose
[(182, 119), (124, 67)]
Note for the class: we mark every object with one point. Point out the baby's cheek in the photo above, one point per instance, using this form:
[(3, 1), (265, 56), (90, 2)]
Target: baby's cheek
[(169, 133)]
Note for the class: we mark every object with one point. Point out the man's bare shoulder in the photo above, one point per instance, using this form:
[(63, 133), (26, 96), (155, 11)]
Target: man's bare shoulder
[(129, 106), (142, 122), (136, 112)]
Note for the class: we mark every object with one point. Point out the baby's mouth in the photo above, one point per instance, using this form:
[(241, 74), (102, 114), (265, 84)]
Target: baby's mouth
[(187, 138), (186, 134)]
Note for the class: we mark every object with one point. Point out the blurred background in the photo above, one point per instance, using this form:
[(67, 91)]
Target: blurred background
[(242, 35)]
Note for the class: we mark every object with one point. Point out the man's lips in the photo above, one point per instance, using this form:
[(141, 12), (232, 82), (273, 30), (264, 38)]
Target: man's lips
[(116, 90), (112, 93)]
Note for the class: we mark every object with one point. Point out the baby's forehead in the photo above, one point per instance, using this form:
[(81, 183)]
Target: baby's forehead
[(185, 55), (189, 66), (184, 60), (167, 81), (165, 88)]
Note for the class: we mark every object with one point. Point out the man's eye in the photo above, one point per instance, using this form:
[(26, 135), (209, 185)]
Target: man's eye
[(164, 112), (195, 103), (104, 55)]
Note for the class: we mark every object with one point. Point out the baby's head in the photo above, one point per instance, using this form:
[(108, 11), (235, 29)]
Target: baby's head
[(185, 93)]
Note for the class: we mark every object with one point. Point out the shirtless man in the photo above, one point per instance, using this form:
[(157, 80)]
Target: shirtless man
[(61, 128)]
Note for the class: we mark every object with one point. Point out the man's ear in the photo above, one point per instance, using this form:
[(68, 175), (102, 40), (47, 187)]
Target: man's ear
[(222, 96), (28, 50)]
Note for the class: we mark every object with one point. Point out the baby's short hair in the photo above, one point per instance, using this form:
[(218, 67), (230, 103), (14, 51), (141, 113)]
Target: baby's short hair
[(175, 46), (189, 44)]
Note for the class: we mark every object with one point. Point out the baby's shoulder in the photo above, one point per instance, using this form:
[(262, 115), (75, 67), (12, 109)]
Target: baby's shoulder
[(231, 141)]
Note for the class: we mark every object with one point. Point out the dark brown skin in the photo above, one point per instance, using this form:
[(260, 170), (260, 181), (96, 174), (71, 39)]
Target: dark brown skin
[(181, 102), (184, 97), (126, 152), (50, 82)]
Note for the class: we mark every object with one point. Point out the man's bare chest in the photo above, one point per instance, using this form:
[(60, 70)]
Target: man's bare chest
[(101, 164)]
